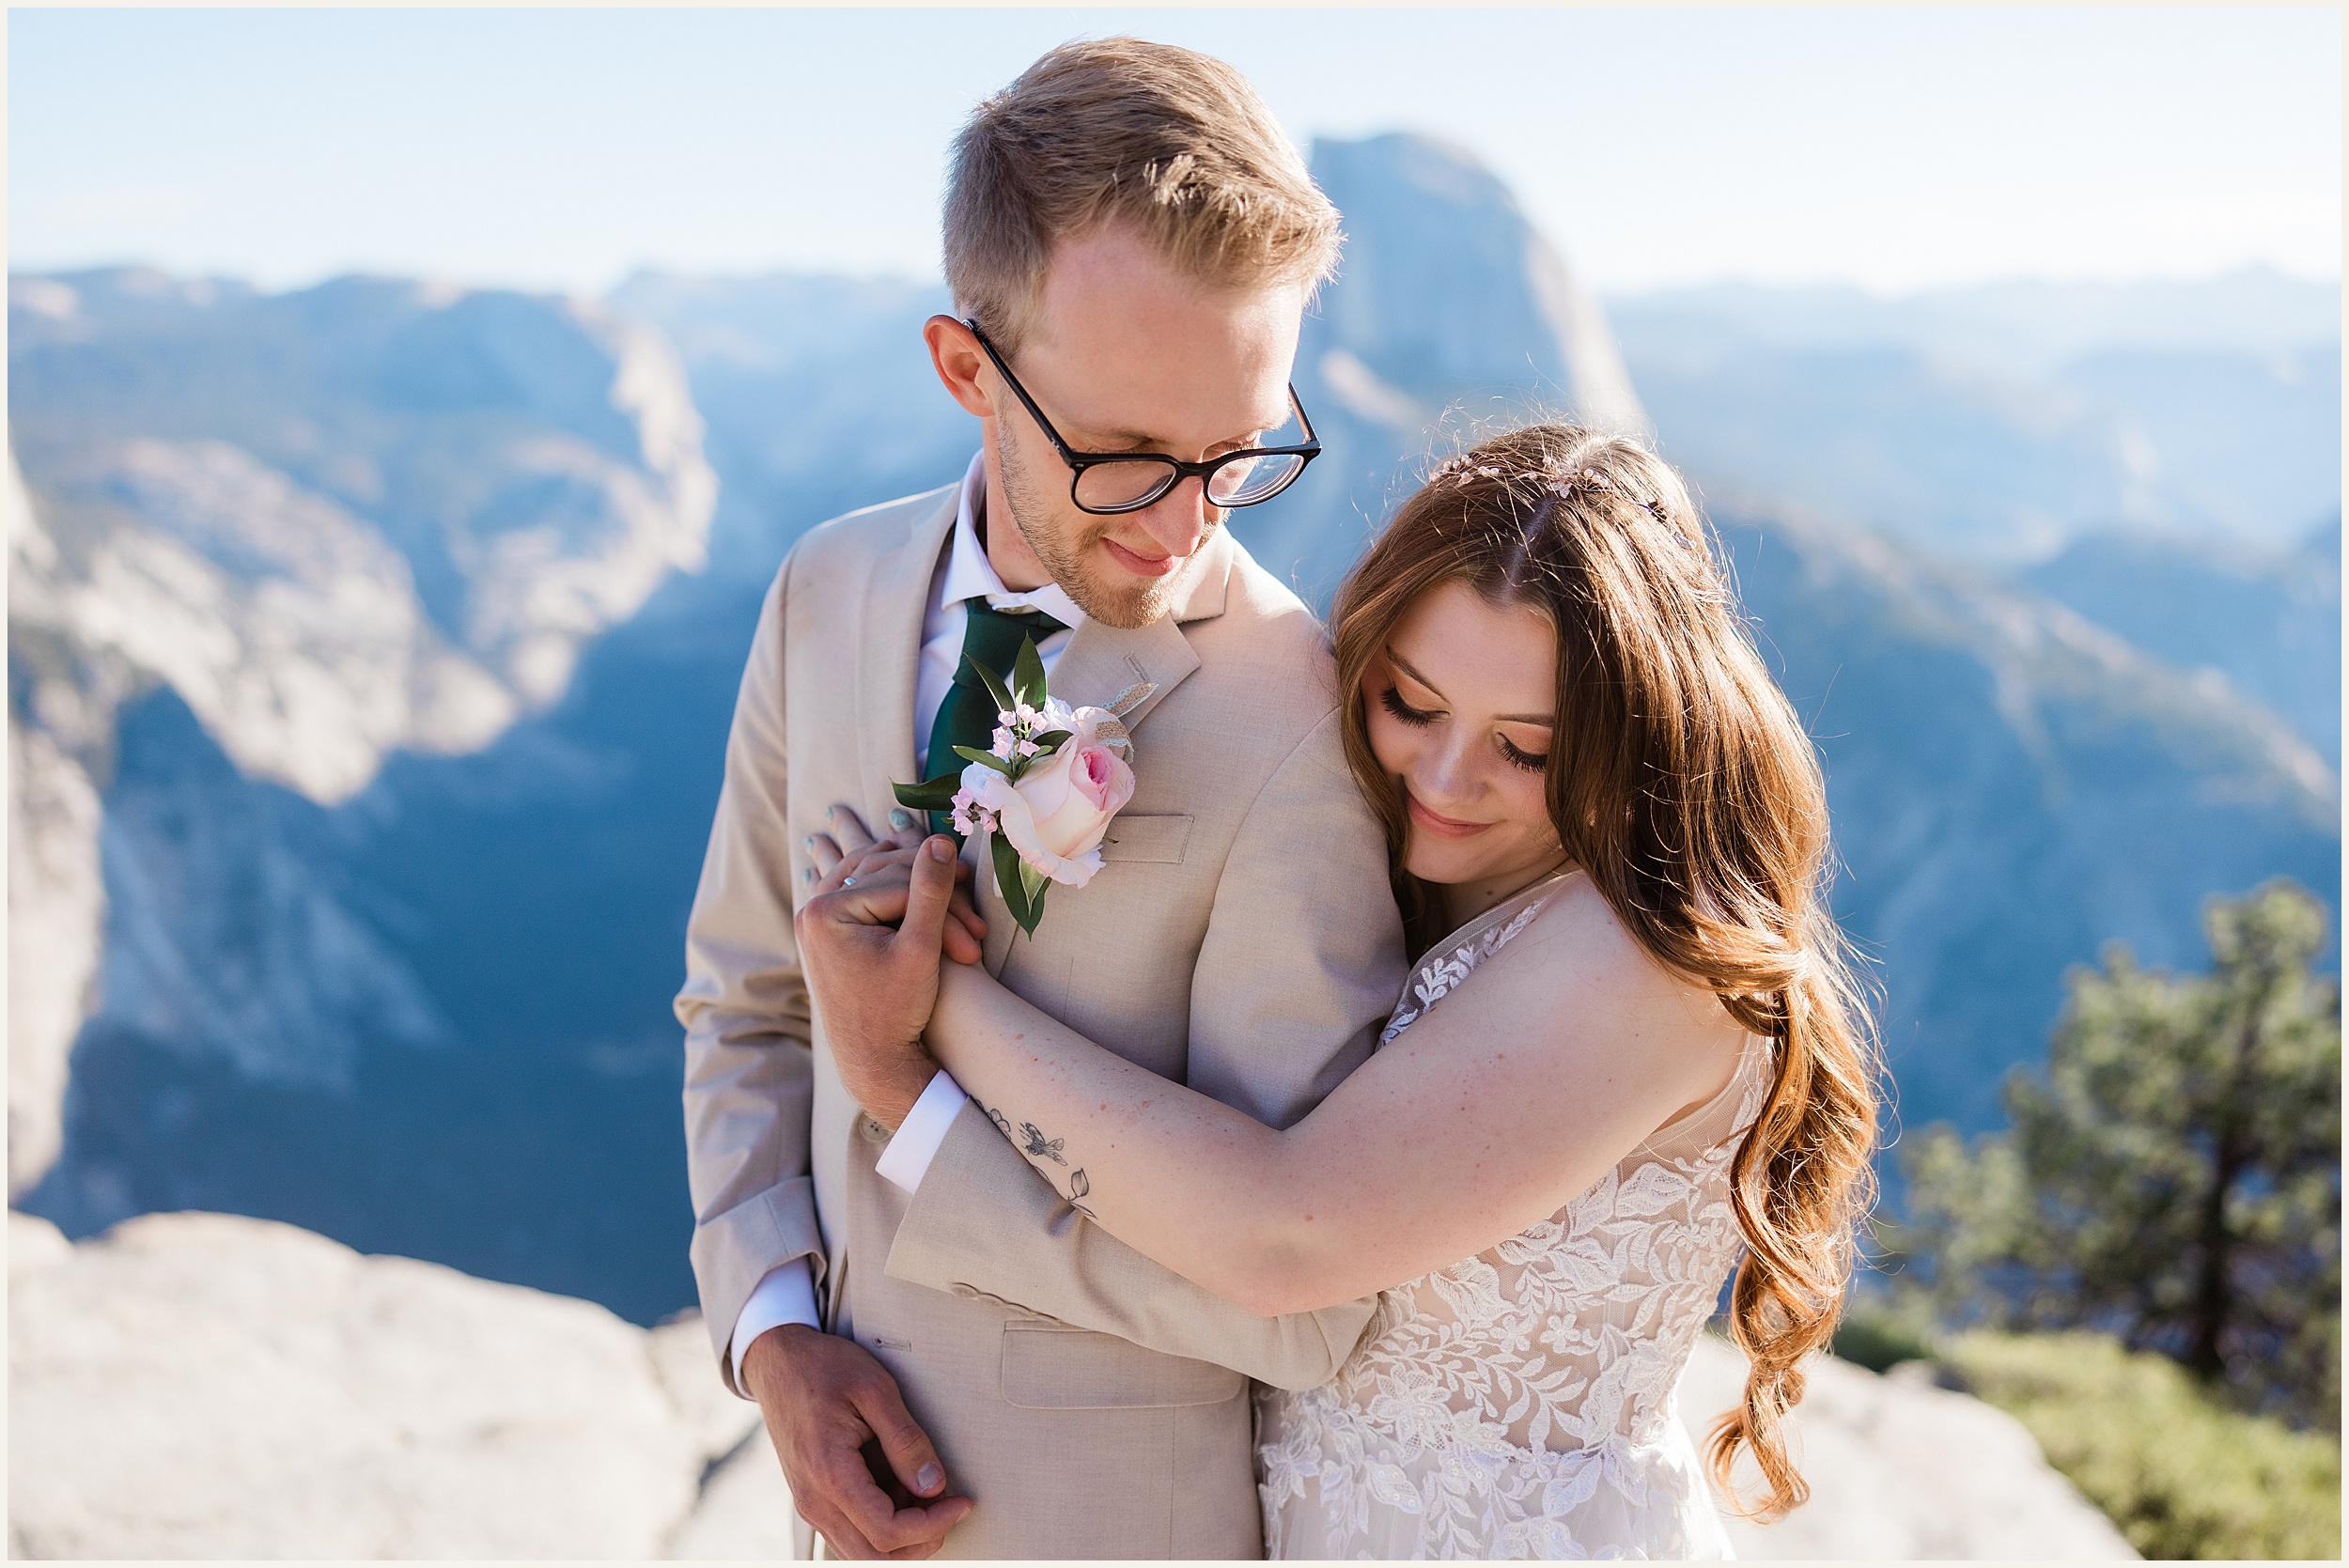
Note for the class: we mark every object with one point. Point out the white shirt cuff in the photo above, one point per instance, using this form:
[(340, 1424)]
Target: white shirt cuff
[(907, 1157), (786, 1295)]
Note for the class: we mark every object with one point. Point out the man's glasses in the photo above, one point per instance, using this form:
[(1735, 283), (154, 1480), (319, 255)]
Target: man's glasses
[(1107, 483)]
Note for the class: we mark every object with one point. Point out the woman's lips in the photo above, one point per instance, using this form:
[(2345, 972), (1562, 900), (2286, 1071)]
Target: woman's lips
[(1442, 826), (1141, 565)]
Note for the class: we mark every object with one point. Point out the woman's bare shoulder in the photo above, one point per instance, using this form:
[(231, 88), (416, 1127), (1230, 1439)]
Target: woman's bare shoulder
[(1576, 977)]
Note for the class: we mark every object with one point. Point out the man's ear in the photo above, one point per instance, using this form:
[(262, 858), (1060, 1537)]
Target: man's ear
[(956, 355)]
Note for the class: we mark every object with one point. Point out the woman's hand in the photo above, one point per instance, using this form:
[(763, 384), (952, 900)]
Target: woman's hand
[(855, 856), (871, 933)]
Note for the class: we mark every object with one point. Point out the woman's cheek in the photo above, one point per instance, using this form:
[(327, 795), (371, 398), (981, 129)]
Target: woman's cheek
[(1529, 802), (1389, 740)]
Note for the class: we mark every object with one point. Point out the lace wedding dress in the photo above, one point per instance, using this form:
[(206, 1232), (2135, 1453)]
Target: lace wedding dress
[(1520, 1403)]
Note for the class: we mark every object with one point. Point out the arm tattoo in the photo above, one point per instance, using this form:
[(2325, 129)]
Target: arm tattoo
[(1030, 1141), (1037, 1148)]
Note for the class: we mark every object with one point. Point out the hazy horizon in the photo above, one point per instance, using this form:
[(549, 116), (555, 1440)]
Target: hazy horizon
[(1895, 152), (1632, 294)]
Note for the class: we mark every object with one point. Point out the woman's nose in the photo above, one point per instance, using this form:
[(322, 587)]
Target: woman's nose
[(1445, 775)]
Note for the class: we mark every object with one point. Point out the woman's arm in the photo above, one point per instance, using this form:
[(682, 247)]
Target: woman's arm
[(1518, 1092)]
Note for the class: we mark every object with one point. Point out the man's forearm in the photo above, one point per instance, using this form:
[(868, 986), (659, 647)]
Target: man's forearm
[(983, 1223)]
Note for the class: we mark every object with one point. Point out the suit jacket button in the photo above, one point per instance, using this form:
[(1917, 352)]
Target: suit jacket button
[(874, 1132)]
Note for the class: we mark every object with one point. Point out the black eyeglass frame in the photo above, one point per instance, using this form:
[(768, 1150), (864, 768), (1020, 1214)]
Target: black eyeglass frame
[(1204, 472)]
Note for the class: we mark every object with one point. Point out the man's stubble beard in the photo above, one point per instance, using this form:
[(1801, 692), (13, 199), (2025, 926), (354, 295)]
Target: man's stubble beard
[(1129, 609)]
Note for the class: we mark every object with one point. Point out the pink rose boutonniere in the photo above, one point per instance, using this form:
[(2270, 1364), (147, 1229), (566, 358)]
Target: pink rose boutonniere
[(1045, 791)]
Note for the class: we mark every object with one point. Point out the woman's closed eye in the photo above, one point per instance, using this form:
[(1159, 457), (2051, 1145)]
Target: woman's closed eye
[(1523, 759), (1392, 701)]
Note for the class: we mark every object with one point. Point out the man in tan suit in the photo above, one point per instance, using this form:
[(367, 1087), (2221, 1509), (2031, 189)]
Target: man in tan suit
[(949, 1357)]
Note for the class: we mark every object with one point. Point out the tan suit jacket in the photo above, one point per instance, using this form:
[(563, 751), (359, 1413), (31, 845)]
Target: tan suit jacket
[(1241, 939)]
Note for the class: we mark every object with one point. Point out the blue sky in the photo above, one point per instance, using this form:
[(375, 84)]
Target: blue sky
[(555, 149)]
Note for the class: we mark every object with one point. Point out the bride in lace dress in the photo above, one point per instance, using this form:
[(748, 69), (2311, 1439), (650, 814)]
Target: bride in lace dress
[(1632, 1063), (1519, 1403)]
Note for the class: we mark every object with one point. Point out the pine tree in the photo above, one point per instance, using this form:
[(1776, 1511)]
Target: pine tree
[(2175, 1178)]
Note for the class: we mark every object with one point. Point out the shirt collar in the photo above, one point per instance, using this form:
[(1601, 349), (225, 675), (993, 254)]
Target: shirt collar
[(971, 575)]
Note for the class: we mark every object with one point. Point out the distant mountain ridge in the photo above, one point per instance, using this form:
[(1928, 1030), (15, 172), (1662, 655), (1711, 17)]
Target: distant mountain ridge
[(420, 1003), (1998, 424), (369, 517), (2022, 329), (2268, 624)]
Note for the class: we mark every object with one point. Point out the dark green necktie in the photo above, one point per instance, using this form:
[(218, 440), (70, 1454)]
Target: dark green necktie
[(967, 718)]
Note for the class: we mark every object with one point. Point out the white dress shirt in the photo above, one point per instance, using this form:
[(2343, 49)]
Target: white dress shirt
[(787, 1293)]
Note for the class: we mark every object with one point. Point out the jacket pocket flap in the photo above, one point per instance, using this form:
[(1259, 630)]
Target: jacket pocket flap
[(1048, 1367), (1151, 840)]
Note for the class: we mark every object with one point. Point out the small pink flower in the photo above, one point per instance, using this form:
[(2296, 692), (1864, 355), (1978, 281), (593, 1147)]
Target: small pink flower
[(968, 817), (1056, 814)]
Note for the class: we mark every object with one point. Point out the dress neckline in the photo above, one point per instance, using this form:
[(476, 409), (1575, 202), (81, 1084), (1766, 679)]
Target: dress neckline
[(1508, 909)]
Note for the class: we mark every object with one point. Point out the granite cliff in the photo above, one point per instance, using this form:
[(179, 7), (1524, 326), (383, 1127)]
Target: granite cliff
[(196, 1385), (373, 647)]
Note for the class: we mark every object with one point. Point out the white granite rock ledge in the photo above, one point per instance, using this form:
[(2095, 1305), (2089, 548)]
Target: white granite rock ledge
[(205, 1386)]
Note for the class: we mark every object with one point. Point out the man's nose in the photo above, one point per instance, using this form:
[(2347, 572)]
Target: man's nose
[(1180, 520)]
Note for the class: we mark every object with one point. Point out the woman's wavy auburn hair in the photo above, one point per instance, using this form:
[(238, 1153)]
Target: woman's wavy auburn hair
[(1682, 782)]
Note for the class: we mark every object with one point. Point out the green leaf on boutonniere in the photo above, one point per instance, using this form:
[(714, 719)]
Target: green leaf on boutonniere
[(1050, 742), (1009, 881), (994, 684), (984, 759), (1027, 674), (1035, 881), (936, 794)]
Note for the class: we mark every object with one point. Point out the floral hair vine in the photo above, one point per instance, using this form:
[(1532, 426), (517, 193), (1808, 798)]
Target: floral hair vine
[(1461, 471)]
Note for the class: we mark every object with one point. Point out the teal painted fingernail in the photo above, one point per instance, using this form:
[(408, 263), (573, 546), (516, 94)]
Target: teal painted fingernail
[(899, 817), (808, 843)]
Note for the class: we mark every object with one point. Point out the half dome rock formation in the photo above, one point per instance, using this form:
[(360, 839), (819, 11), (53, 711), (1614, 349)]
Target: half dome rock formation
[(197, 1385), (1451, 292), (1450, 309), (364, 516)]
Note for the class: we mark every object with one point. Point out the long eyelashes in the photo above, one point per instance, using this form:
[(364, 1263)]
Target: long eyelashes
[(1530, 764), (1391, 700)]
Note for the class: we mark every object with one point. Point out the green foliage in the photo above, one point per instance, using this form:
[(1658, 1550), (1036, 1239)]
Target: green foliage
[(2175, 1178), (1011, 881), (1027, 674), (931, 795), (2179, 1474), (1880, 1334), (994, 684)]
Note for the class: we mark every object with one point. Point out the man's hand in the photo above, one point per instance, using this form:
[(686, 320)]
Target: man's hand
[(829, 1404), (875, 985)]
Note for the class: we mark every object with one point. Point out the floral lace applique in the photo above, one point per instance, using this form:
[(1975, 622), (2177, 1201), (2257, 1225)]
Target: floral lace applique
[(1519, 1402), (1436, 977)]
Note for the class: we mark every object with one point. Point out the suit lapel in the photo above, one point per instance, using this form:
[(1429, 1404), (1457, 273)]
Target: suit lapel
[(897, 597), (1101, 662)]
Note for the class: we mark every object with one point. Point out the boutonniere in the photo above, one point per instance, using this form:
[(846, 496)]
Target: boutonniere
[(1045, 791)]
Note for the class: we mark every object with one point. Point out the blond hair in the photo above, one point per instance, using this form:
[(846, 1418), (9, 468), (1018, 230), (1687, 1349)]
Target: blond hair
[(1683, 784), (1122, 133)]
